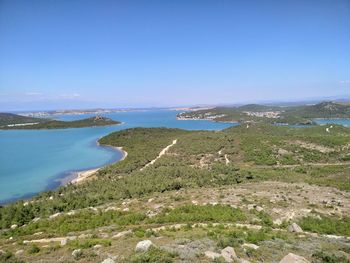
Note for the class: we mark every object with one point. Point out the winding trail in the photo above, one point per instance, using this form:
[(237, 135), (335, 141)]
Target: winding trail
[(160, 154)]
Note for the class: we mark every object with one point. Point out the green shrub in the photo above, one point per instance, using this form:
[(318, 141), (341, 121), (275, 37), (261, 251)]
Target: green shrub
[(33, 249), (326, 225)]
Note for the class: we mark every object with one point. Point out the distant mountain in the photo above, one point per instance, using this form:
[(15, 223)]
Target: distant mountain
[(301, 114)]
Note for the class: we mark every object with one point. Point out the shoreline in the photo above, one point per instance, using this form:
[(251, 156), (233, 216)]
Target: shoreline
[(83, 175)]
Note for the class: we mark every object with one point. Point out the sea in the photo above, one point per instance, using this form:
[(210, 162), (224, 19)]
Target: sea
[(32, 161)]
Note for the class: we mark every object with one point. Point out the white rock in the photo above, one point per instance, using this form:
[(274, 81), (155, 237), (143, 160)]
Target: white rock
[(253, 246), (14, 226), (212, 255), (295, 228), (54, 215), (259, 208), (77, 253), (126, 209), (2, 252), (51, 198), (250, 206), (229, 254), (98, 246), (19, 252), (110, 208), (292, 258), (63, 242), (108, 260), (143, 245), (150, 200), (36, 219), (123, 233)]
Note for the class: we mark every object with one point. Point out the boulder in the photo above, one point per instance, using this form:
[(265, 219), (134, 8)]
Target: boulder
[(108, 260), (212, 255), (77, 253), (295, 228), (229, 254), (143, 245), (292, 258)]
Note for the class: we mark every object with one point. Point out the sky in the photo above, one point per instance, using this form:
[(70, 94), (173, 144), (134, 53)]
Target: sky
[(156, 53)]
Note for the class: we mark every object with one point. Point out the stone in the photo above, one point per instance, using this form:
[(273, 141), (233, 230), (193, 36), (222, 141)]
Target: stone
[(259, 208), (63, 242), (292, 258), (97, 246), (77, 253), (143, 245), (229, 254), (108, 260), (36, 219), (212, 255), (54, 215), (295, 228), (253, 246), (19, 252), (123, 233), (2, 252), (14, 226)]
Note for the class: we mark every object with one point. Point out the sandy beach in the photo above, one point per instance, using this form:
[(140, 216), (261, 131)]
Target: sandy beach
[(83, 175)]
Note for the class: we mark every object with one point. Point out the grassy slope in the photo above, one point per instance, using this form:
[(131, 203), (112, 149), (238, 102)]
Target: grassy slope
[(198, 160)]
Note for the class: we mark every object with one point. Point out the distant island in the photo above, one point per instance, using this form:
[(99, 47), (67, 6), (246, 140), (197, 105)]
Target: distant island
[(285, 115), (13, 121)]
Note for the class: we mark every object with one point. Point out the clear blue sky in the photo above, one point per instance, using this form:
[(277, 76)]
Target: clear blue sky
[(71, 54)]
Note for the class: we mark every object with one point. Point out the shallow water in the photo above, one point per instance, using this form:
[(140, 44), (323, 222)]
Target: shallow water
[(34, 160)]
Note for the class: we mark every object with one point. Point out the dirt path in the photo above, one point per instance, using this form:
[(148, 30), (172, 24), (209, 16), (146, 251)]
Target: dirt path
[(160, 154)]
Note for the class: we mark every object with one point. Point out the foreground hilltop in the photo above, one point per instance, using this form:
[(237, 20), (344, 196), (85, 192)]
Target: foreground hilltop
[(12, 121), (245, 194), (292, 115)]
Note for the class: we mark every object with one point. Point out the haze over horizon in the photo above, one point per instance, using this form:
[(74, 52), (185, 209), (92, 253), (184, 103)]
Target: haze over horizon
[(79, 54)]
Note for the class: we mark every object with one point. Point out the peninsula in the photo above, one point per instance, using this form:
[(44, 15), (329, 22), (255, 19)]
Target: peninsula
[(9, 121)]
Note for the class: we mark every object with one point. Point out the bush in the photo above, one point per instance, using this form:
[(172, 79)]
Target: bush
[(33, 249)]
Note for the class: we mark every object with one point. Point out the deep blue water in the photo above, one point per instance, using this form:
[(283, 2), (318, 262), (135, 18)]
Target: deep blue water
[(34, 161)]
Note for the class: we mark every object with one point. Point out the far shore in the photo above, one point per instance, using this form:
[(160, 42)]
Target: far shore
[(85, 174)]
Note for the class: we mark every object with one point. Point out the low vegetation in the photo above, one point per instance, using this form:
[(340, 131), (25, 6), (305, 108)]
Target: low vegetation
[(224, 188)]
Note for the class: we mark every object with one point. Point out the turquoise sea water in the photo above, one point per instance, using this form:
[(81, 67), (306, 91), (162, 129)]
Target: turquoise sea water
[(344, 122), (34, 161)]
